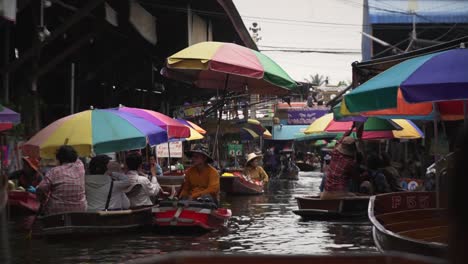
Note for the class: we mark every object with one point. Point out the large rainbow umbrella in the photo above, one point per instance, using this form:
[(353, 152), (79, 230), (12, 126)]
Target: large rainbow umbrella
[(217, 65), (95, 131), (192, 125), (438, 77), (326, 123), (174, 128)]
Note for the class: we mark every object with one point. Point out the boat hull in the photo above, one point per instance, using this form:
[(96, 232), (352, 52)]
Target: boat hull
[(22, 203), (312, 207), (409, 222), (92, 223), (239, 185), (349, 258), (305, 166), (182, 214)]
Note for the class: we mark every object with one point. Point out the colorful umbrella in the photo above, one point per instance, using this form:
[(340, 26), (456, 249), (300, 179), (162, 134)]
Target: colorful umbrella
[(192, 125), (409, 131), (174, 128), (254, 125), (216, 65), (326, 124), (95, 131), (194, 135), (249, 134), (9, 116), (331, 144), (320, 142), (434, 77)]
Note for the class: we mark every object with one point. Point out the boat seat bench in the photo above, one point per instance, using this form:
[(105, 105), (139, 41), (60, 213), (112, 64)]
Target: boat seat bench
[(418, 214), (413, 224), (425, 233)]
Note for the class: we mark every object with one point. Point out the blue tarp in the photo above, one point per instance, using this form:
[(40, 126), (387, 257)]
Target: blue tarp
[(427, 11), (296, 132)]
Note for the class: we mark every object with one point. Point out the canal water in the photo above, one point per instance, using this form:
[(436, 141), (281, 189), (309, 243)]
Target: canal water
[(260, 224)]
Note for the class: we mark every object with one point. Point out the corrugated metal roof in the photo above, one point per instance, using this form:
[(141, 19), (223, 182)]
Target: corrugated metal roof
[(427, 11)]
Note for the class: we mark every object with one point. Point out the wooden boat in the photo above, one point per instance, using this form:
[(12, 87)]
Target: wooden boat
[(21, 203), (410, 222), (305, 166), (179, 214), (312, 207), (171, 183), (236, 183), (205, 257), (92, 223), (290, 172)]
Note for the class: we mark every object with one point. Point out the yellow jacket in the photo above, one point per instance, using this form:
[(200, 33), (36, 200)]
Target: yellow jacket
[(198, 183)]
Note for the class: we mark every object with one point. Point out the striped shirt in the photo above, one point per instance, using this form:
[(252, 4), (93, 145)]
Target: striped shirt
[(64, 187), (339, 172)]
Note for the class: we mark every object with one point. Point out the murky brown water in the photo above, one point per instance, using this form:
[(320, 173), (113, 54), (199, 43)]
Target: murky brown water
[(260, 224)]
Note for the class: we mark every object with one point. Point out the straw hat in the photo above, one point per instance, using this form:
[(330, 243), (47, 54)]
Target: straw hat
[(252, 156), (200, 149), (32, 162), (347, 146)]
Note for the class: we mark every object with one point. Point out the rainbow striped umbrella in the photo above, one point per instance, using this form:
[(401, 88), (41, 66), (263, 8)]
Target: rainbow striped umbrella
[(216, 65), (95, 131), (174, 128)]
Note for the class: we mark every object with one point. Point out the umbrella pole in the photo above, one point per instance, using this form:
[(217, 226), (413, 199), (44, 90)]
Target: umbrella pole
[(169, 156), (215, 147)]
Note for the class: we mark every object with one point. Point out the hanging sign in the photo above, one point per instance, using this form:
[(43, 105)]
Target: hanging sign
[(304, 116), (235, 150), (162, 150)]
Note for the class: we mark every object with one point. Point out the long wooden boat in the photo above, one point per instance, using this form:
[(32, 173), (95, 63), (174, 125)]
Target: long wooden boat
[(92, 223), (180, 214), (312, 207), (410, 222), (236, 183), (303, 166), (21, 203), (205, 257)]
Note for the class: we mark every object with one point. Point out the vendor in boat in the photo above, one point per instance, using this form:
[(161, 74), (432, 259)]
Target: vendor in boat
[(30, 176), (63, 187), (341, 170), (374, 180), (148, 189), (105, 186), (253, 170), (201, 179), (391, 173)]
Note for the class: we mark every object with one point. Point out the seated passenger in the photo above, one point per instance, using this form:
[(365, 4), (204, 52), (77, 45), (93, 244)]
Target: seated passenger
[(201, 180), (105, 190), (376, 182), (148, 188), (29, 177), (63, 187), (254, 171)]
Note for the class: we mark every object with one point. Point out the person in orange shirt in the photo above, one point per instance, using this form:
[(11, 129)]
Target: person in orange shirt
[(201, 180)]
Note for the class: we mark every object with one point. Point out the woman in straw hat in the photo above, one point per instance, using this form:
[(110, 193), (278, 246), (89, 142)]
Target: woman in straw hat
[(253, 170), (340, 170), (202, 179)]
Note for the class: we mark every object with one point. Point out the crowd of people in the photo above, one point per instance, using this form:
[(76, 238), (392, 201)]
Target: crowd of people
[(350, 172), (104, 184)]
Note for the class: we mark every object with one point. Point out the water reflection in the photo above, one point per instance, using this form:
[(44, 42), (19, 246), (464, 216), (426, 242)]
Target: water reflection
[(261, 223)]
